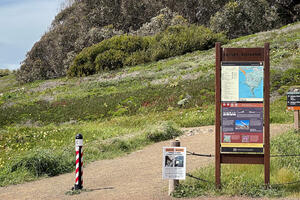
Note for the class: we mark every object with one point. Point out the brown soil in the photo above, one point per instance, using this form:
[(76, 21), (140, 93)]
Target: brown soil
[(136, 176)]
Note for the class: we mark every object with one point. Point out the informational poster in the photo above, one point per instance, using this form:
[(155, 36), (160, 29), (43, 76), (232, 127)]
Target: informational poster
[(293, 100), (174, 163), (242, 127), (242, 81)]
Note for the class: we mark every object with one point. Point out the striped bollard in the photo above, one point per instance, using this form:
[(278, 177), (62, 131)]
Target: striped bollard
[(79, 162)]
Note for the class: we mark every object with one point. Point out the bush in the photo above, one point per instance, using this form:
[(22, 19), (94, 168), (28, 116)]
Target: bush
[(43, 162), (4, 72), (289, 77), (138, 57), (239, 18), (163, 131), (279, 146), (109, 54), (111, 59), (178, 40), (128, 50)]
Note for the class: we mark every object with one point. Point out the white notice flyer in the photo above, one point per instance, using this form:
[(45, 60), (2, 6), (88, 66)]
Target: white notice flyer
[(174, 163)]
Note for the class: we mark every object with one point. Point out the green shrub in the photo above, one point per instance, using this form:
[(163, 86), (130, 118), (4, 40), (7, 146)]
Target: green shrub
[(178, 40), (291, 77), (138, 57), (109, 54), (4, 72), (279, 146), (85, 69), (128, 50), (116, 145), (239, 18), (43, 162), (163, 131), (287, 78), (109, 60)]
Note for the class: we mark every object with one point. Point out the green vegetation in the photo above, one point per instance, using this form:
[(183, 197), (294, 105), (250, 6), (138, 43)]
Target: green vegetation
[(5, 72), (118, 51), (123, 110), (80, 24), (247, 180), (8, 83), (244, 17), (30, 153)]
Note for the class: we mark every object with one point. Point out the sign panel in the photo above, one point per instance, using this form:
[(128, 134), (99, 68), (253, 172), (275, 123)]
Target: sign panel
[(245, 54), (242, 114), (293, 100), (174, 163), (242, 81), (242, 127)]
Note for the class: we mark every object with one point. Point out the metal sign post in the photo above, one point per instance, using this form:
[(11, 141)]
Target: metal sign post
[(242, 108)]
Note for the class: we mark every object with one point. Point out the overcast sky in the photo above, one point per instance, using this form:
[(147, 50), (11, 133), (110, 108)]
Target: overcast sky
[(22, 23)]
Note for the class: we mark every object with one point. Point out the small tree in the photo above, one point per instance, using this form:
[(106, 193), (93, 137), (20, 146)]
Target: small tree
[(239, 18)]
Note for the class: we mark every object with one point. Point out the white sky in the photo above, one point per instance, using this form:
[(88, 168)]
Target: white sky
[(22, 23)]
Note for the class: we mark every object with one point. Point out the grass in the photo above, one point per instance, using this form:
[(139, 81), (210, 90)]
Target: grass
[(123, 110), (247, 180), (128, 99), (49, 151)]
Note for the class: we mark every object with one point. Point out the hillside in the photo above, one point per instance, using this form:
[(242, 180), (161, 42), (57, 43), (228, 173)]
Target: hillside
[(83, 23), (124, 110)]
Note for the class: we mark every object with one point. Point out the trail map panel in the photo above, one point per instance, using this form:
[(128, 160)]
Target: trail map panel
[(242, 81)]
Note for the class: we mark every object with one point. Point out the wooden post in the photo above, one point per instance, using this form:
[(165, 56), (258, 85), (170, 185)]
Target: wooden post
[(296, 121), (217, 117), (173, 183), (267, 113)]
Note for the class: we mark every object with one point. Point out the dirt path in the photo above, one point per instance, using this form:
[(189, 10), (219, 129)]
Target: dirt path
[(136, 176)]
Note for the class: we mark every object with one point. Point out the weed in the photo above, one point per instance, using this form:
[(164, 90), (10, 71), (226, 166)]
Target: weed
[(163, 131)]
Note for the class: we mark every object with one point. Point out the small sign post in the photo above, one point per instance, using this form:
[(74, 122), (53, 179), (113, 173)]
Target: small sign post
[(174, 164), (293, 103)]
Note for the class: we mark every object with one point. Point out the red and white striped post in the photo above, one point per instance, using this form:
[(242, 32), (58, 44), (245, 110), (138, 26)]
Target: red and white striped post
[(79, 162)]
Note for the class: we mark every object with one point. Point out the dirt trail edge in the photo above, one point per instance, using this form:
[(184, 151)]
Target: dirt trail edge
[(135, 176)]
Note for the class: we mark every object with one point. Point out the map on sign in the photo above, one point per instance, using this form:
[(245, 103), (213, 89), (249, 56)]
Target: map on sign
[(242, 81), (250, 82)]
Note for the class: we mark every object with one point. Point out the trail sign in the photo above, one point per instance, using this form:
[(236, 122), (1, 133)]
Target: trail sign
[(242, 108), (293, 100)]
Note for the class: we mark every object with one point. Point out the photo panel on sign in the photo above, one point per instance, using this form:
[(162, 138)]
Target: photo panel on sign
[(242, 127)]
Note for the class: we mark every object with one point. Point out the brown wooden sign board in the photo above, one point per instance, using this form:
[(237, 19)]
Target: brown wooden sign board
[(243, 55)]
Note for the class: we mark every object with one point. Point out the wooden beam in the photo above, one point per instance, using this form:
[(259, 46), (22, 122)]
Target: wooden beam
[(242, 158), (217, 116), (267, 113)]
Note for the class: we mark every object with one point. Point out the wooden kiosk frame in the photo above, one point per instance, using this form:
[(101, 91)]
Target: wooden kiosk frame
[(242, 54)]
